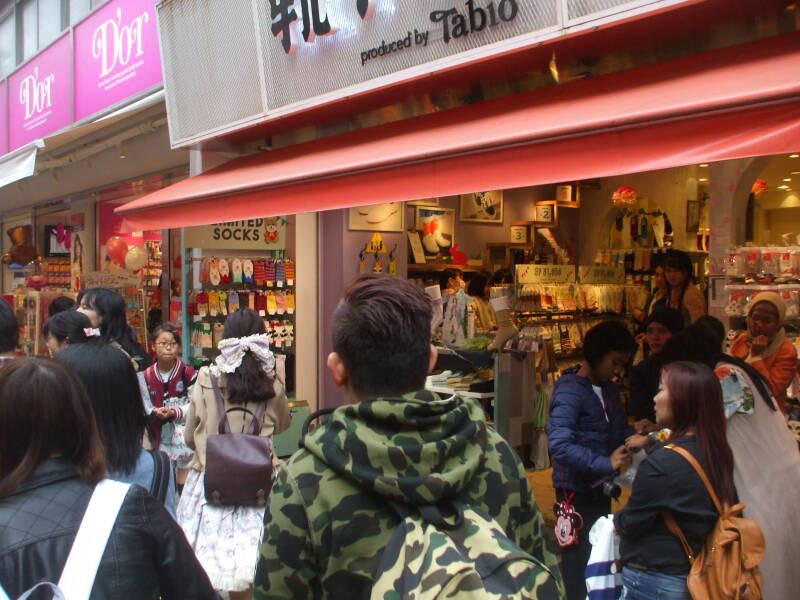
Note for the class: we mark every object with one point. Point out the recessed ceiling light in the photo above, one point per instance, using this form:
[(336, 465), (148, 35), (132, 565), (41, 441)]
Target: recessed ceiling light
[(703, 165), (795, 172), (788, 179), (703, 179), (794, 156), (783, 187)]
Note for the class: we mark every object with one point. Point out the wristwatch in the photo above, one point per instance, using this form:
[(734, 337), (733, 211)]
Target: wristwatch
[(652, 437)]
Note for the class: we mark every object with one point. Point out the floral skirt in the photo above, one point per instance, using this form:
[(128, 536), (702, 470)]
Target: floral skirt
[(225, 538)]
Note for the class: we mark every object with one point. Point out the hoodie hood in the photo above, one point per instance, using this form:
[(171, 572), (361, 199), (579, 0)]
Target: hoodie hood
[(416, 449), (570, 378)]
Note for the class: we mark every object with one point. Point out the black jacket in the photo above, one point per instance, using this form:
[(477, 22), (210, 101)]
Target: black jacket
[(665, 481), (147, 553), (645, 379)]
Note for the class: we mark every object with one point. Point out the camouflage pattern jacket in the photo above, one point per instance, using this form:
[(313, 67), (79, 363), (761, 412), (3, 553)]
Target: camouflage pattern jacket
[(326, 522)]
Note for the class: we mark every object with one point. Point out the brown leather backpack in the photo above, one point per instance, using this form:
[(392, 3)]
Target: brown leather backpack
[(238, 465), (727, 566)]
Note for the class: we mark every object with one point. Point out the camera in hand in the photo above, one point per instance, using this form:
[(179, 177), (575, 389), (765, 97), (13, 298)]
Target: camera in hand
[(608, 487)]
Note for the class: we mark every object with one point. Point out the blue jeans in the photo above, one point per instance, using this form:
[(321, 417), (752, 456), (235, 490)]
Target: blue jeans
[(649, 585)]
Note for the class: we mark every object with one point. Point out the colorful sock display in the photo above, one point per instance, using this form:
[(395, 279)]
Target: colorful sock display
[(280, 274), (272, 303), (270, 273), (280, 297), (291, 273), (259, 272), (290, 303), (261, 304)]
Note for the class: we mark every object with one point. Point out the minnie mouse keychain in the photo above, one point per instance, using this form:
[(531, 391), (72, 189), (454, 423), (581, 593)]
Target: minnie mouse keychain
[(568, 522)]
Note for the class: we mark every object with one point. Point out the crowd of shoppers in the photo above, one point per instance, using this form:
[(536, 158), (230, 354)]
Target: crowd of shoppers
[(377, 480)]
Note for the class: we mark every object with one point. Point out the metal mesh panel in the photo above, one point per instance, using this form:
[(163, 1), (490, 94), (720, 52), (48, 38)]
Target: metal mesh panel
[(582, 8), (335, 61), (211, 69)]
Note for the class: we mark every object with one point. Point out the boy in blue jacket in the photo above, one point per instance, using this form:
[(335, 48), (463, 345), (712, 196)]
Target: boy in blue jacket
[(586, 435)]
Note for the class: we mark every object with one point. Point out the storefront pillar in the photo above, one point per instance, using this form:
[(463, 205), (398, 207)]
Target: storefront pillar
[(308, 369), (731, 182)]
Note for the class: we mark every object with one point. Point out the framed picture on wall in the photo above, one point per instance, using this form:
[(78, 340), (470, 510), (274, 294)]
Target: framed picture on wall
[(568, 195), (692, 216), (377, 217), (545, 213), (437, 226), (482, 207), (53, 247)]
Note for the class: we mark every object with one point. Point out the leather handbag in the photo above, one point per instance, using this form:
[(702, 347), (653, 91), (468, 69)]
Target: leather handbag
[(238, 465)]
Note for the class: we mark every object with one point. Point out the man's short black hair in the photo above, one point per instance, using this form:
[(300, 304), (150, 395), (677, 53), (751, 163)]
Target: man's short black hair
[(9, 329), (382, 333), (605, 337), (60, 304)]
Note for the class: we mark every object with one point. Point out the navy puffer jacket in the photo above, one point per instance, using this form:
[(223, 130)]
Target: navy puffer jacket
[(580, 437)]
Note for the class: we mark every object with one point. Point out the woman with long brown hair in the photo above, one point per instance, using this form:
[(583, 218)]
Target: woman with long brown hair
[(51, 459), (247, 375), (689, 402)]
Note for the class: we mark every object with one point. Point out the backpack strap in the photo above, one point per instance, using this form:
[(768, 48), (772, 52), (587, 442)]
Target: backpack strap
[(676, 530), (700, 472), (161, 472), (79, 572), (224, 425)]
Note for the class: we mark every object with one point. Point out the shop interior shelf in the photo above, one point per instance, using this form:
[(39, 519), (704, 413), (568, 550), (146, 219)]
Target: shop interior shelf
[(428, 267)]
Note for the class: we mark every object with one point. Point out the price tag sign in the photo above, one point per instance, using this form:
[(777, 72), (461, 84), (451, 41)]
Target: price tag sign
[(545, 273), (612, 275)]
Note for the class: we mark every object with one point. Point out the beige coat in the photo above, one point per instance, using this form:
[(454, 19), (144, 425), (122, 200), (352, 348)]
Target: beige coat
[(203, 417)]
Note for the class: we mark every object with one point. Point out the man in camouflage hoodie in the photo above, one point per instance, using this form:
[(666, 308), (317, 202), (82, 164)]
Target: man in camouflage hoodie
[(327, 519)]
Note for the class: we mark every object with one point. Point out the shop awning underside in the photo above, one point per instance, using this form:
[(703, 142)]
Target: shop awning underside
[(732, 103)]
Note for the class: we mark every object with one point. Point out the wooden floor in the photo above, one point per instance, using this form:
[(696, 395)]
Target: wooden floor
[(542, 484)]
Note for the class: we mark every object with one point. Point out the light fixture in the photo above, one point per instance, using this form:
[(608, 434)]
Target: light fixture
[(783, 187), (121, 151), (795, 172), (704, 165), (703, 179), (794, 156), (788, 179)]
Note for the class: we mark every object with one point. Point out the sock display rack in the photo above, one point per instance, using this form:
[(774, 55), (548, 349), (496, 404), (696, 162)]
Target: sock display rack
[(555, 305), (640, 263), (265, 284)]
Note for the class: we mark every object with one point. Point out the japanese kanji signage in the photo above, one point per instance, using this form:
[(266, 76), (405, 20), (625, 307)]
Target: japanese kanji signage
[(313, 47)]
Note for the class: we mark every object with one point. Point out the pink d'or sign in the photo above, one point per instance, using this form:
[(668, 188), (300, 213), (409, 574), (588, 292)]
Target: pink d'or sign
[(116, 55), (38, 96), (3, 132)]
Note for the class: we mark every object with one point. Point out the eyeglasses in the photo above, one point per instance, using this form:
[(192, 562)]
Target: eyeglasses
[(166, 344)]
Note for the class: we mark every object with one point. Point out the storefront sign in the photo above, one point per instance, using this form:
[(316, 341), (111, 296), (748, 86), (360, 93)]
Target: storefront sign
[(39, 96), (593, 274), (3, 127), (252, 234), (545, 273), (116, 55), (111, 279)]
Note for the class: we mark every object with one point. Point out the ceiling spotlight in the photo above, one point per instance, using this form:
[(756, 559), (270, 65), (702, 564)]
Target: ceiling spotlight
[(794, 156), (795, 172), (788, 179), (703, 179), (783, 187), (121, 151), (703, 165)]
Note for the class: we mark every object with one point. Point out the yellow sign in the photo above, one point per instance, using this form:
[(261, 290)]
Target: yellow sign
[(376, 245), (595, 274), (545, 273)]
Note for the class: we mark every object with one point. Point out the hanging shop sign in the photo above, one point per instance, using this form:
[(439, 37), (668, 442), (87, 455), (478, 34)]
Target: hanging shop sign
[(119, 279), (251, 234), (39, 96), (545, 273), (116, 55), (594, 274)]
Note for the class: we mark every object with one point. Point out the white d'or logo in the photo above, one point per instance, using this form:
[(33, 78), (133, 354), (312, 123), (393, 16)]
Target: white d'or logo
[(114, 43), (34, 94)]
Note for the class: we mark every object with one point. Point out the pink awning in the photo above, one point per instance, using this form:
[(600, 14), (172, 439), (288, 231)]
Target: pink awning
[(732, 103)]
